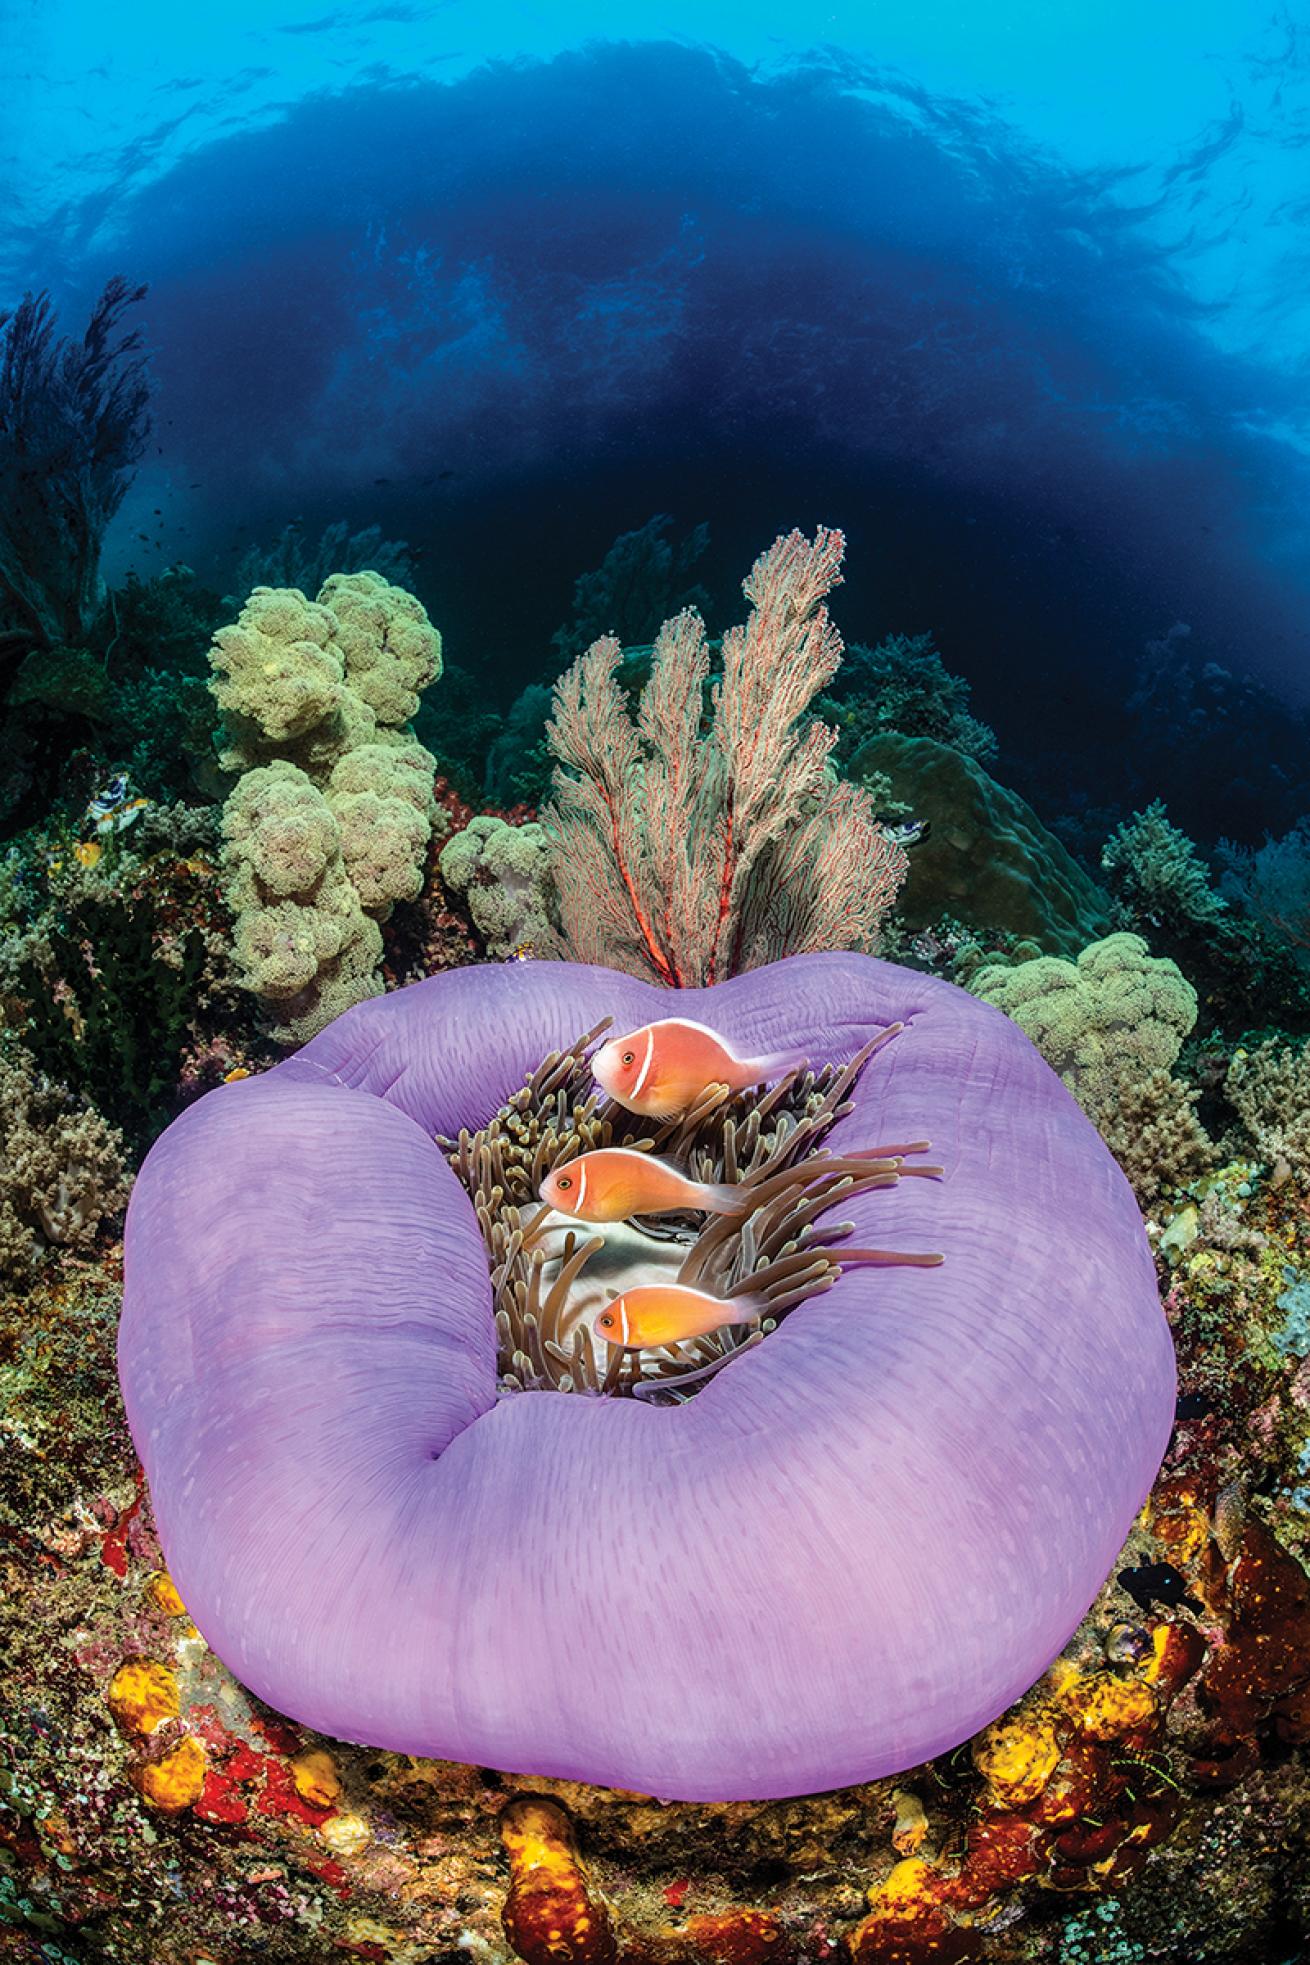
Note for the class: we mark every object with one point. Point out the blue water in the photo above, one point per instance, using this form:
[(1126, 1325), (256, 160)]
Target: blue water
[(1015, 295)]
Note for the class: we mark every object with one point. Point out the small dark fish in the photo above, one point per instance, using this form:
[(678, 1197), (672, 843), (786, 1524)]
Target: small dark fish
[(1194, 1406), (1158, 1582), (442, 475), (382, 480)]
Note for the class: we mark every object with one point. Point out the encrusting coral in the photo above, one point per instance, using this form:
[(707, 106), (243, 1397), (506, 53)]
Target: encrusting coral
[(690, 844), (63, 1169), (329, 825), (986, 859)]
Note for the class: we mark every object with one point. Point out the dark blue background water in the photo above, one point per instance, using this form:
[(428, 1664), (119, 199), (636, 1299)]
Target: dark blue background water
[(1040, 355)]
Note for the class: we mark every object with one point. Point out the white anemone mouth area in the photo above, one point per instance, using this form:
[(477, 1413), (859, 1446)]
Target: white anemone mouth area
[(628, 1260)]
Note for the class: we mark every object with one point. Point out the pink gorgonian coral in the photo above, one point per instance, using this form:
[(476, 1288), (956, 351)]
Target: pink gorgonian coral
[(708, 834), (855, 1545)]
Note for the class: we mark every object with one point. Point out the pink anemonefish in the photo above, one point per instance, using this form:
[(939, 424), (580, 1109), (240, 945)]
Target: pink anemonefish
[(615, 1182), (666, 1313), (663, 1068)]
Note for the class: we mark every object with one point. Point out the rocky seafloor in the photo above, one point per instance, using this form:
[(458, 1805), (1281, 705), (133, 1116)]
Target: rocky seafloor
[(1149, 1799)]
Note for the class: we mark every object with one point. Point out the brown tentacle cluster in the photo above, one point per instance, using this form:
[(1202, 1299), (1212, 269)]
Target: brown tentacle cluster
[(784, 1247)]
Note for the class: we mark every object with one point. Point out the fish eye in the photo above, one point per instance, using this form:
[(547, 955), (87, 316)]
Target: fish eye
[(629, 1057), (607, 1321), (564, 1182)]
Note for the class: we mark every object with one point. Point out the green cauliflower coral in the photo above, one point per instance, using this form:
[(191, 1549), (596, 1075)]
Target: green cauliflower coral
[(503, 873), (329, 825), (304, 941), (384, 830), (279, 826), (1108, 1020), (390, 648), (279, 672)]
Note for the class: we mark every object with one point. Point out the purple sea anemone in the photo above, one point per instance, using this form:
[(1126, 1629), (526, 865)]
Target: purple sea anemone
[(856, 1544)]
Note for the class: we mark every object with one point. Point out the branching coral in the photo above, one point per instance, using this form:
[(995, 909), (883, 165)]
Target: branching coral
[(73, 427), (1270, 1088), (1158, 874), (330, 825), (503, 874), (1152, 1130), (684, 853), (63, 1169)]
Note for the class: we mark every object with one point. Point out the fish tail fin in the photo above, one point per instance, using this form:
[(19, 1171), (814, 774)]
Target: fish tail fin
[(777, 1064), (721, 1197), (742, 1308)]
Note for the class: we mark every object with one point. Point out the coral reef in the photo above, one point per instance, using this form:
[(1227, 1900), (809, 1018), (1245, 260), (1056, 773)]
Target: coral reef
[(518, 761), (330, 824), (466, 728), (1151, 1127), (1238, 945), (1148, 1799), (63, 1169), (1157, 873), (135, 695), (685, 854), (74, 421), (306, 947), (1273, 882), (987, 859), (1270, 1088)]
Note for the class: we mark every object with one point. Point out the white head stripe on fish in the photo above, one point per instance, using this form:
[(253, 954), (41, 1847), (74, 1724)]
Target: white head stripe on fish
[(582, 1183), (646, 1061), (623, 1322)]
